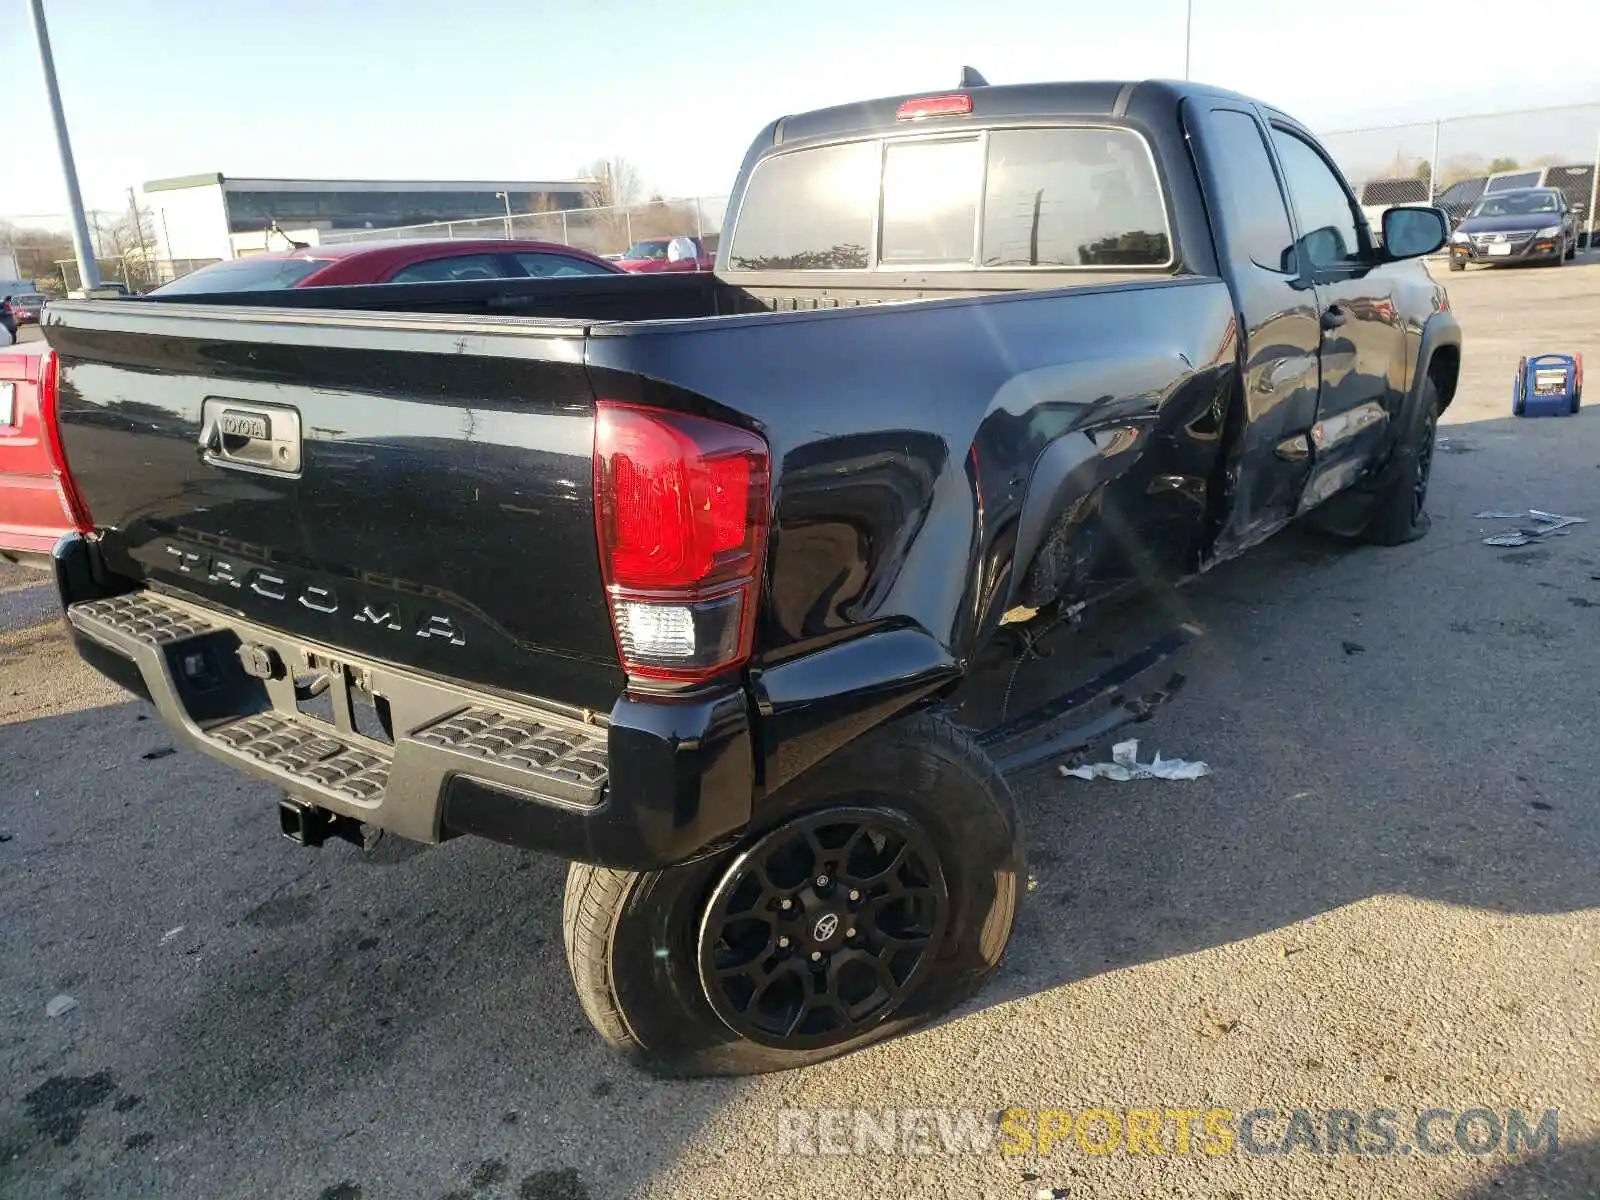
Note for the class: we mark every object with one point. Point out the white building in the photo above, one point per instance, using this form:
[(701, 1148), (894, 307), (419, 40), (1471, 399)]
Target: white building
[(204, 218)]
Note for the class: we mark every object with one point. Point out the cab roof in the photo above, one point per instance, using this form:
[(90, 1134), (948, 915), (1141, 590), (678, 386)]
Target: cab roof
[(1110, 98)]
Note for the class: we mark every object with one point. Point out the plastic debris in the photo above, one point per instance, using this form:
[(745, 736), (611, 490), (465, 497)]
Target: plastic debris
[(1125, 765), (60, 1006), (172, 933), (1543, 525)]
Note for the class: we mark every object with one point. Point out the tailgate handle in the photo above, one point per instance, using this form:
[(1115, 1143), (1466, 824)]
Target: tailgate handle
[(247, 436)]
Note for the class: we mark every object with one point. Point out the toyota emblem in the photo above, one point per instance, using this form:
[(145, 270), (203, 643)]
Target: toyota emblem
[(827, 925)]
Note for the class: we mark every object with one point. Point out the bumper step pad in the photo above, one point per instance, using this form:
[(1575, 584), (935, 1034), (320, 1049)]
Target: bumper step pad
[(441, 731), (525, 744), (141, 616), (318, 755)]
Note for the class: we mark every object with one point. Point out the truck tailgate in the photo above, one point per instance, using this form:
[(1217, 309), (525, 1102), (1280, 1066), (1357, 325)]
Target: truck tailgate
[(413, 489)]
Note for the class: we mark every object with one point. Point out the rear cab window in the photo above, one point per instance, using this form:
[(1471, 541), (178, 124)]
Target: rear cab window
[(1055, 197)]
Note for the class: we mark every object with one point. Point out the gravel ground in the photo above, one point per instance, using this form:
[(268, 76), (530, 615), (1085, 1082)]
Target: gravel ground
[(1387, 896)]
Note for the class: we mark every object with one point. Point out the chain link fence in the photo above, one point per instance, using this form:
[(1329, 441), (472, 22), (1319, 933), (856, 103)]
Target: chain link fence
[(1454, 163), (605, 230)]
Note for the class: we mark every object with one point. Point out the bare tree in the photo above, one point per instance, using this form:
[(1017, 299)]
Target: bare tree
[(37, 251), (1461, 166), (612, 185), (126, 242), (611, 182)]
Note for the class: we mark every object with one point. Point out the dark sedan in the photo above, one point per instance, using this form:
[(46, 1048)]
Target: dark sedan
[(1517, 226), (26, 307)]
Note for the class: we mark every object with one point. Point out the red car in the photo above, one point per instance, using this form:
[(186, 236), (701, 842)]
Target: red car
[(650, 256), (34, 509), (27, 306), (391, 262)]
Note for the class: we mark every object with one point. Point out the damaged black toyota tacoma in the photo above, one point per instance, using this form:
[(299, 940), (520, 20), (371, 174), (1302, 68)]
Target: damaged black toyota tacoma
[(672, 575)]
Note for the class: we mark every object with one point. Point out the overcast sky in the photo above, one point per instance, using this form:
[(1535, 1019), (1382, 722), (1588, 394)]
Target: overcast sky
[(532, 89)]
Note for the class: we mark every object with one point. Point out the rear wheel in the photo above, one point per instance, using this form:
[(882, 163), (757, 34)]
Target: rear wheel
[(879, 891), (1401, 513)]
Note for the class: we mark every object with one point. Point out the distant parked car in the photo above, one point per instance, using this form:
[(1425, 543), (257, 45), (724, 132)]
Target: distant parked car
[(654, 254), (33, 515), (26, 307), (1524, 225), (433, 261)]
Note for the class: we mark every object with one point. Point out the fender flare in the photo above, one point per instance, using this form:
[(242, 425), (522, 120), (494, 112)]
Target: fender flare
[(1441, 332)]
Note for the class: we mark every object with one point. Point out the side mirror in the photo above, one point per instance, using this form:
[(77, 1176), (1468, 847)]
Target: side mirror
[(1411, 231)]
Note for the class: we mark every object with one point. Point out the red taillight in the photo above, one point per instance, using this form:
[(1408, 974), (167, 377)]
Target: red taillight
[(681, 512), (72, 505), (935, 106)]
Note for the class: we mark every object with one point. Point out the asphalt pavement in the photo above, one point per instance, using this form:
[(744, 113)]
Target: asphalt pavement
[(1387, 896)]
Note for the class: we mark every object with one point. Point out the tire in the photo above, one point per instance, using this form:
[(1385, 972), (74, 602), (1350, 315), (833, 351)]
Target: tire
[(1401, 514), (644, 947), (1519, 393), (1572, 250)]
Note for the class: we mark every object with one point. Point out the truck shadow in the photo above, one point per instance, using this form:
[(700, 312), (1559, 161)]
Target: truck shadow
[(1572, 1171), (259, 1019)]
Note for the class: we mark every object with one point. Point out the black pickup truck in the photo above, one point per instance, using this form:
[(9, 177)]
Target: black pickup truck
[(670, 575)]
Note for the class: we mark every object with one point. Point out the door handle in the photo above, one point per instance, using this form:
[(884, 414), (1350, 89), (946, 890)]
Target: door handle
[(1333, 316)]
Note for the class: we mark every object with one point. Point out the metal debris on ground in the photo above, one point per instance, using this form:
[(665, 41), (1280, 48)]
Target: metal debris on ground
[(1125, 765), (172, 933), (60, 1006), (1543, 524)]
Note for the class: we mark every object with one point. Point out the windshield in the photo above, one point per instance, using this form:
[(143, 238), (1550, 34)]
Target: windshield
[(655, 250), (29, 298), (1515, 204), (245, 275)]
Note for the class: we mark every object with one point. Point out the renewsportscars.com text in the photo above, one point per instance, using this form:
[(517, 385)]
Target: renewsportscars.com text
[(1260, 1131)]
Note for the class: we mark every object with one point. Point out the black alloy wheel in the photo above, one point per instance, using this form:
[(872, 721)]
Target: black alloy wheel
[(823, 927)]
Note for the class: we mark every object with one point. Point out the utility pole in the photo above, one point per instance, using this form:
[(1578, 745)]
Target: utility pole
[(88, 269), (1188, 34), (1433, 163), (147, 259), (506, 196)]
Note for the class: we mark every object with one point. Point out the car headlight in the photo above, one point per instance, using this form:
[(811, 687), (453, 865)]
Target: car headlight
[(1550, 232), (1460, 239)]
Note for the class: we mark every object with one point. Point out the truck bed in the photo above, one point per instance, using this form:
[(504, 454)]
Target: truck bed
[(441, 515)]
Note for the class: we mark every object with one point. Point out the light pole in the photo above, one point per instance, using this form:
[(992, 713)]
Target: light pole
[(506, 196), (1188, 33), (88, 269)]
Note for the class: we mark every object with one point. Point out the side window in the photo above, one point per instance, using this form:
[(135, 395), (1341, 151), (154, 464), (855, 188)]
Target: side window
[(1328, 235), (447, 270), (1252, 202), (553, 266)]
